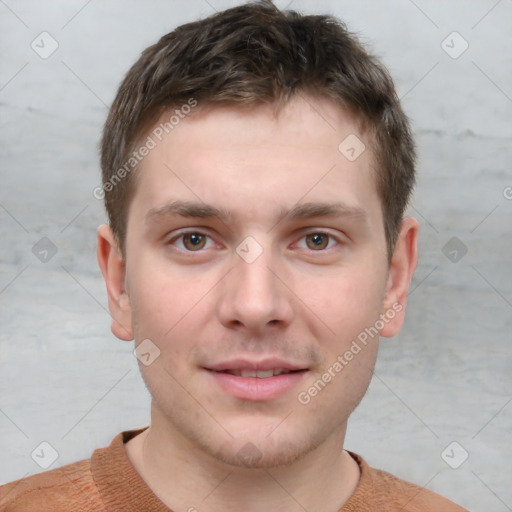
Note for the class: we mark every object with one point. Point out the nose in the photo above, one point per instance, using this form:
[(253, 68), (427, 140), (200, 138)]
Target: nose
[(254, 295)]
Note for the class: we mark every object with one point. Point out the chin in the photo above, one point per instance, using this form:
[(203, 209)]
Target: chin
[(257, 445), (248, 440), (260, 453)]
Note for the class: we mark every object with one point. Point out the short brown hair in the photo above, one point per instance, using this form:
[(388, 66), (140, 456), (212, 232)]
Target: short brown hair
[(251, 55)]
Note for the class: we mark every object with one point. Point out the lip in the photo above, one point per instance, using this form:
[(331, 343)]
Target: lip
[(254, 388), (263, 365)]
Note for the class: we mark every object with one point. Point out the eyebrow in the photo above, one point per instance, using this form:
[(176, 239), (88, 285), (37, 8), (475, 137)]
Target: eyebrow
[(317, 209), (299, 211), (187, 209)]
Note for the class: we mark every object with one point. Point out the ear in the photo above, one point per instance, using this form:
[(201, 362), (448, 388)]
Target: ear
[(401, 269), (113, 269)]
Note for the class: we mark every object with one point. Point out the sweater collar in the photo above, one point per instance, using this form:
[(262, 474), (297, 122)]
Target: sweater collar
[(119, 484), (122, 488)]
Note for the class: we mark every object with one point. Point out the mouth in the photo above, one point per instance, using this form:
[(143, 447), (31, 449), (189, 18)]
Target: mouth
[(259, 374), (256, 381)]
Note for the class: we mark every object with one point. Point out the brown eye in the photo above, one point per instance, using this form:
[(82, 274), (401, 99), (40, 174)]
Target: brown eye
[(317, 241), (194, 241)]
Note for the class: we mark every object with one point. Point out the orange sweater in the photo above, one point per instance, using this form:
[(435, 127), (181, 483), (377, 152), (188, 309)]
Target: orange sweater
[(107, 482)]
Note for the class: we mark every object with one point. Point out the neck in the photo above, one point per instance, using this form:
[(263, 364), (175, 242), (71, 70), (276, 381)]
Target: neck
[(184, 477)]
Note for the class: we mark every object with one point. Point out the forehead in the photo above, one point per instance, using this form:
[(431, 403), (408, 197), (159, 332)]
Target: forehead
[(253, 159)]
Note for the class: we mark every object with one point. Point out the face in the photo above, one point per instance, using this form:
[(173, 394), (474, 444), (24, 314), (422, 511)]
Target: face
[(255, 264)]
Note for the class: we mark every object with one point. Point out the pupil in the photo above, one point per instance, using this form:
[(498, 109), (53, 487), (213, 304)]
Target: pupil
[(195, 239)]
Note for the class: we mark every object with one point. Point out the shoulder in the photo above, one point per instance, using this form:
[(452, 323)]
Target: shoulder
[(389, 492), (104, 481), (411, 497), (67, 488)]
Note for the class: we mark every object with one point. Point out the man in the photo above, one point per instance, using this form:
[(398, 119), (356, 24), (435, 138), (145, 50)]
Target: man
[(256, 169)]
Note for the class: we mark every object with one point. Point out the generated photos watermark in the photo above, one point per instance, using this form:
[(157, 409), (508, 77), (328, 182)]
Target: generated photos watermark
[(156, 136), (305, 397)]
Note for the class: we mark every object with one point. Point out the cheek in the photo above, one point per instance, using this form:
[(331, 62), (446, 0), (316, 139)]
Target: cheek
[(345, 302), (161, 297), (171, 310)]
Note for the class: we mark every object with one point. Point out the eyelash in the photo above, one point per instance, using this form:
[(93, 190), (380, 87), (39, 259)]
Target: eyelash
[(331, 238)]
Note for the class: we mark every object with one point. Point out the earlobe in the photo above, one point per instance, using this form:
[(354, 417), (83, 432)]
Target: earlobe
[(113, 268), (401, 270)]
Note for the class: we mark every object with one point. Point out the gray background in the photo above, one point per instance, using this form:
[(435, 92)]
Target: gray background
[(66, 380)]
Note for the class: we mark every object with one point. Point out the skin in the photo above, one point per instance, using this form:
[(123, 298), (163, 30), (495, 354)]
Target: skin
[(304, 299)]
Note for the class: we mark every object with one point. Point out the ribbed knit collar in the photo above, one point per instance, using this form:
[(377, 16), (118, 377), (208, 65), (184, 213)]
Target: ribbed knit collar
[(123, 489)]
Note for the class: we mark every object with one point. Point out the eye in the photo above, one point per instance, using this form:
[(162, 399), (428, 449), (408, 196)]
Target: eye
[(192, 242), (318, 241)]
